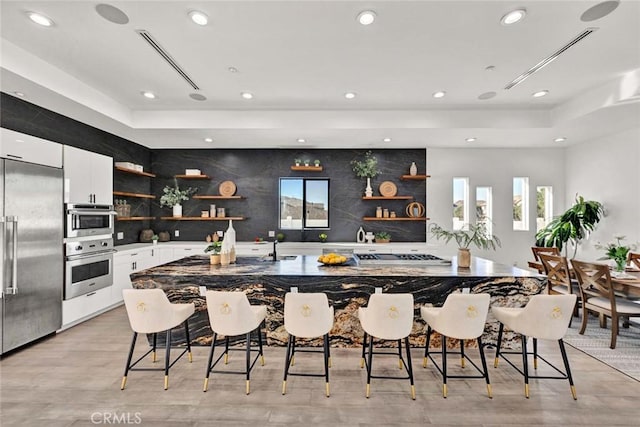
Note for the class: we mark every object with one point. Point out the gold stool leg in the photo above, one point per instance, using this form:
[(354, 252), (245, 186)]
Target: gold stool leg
[(424, 362), (190, 357), (329, 361), (261, 360), (413, 392), (573, 393), (153, 358), (489, 392), (526, 391), (206, 384), (284, 387), (362, 363), (166, 382), (124, 383), (399, 363), (226, 358), (444, 390), (326, 387), (248, 386), (495, 362), (368, 390)]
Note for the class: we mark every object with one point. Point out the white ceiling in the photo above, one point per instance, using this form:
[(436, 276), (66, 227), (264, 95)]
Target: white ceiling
[(298, 58)]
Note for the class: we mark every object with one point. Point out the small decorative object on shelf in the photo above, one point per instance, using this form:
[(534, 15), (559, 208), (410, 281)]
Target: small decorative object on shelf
[(388, 189), (164, 236), (297, 162), (415, 210), (367, 168), (173, 196), (382, 237), (413, 169), (230, 236), (193, 172), (155, 239), (392, 214), (227, 188), (323, 237), (316, 162), (306, 162), (221, 213), (385, 213), (212, 211), (204, 214), (379, 212), (360, 235), (369, 236)]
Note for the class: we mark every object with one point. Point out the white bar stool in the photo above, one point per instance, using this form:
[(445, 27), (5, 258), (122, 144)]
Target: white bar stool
[(150, 312), (307, 315), (544, 317), (387, 317), (230, 314), (462, 317)]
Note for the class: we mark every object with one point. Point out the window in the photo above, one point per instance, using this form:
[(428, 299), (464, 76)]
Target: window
[(521, 203), (484, 208), (544, 206), (460, 203), (304, 203)]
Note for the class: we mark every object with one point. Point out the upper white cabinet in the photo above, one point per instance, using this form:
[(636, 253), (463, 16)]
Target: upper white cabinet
[(88, 177), (27, 148)]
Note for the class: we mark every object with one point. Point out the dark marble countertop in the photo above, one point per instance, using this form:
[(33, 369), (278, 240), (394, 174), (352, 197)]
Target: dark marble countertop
[(309, 266)]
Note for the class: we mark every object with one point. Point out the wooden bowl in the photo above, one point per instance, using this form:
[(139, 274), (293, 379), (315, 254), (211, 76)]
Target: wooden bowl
[(388, 189), (227, 188)]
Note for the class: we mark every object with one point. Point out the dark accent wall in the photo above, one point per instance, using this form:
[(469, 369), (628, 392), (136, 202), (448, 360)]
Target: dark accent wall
[(256, 174)]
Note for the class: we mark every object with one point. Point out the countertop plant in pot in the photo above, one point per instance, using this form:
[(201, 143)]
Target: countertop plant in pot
[(174, 196), (214, 249), (366, 168), (475, 234), (572, 226), (382, 237)]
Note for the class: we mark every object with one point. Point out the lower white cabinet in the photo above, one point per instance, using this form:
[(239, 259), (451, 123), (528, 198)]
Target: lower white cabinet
[(85, 305), (126, 263)]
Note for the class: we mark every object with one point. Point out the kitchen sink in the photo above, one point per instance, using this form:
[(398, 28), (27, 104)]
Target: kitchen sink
[(269, 258)]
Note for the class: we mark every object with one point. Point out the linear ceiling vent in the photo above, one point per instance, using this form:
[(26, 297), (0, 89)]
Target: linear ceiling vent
[(165, 55), (546, 61)]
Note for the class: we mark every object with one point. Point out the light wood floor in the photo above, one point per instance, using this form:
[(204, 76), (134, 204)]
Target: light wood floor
[(73, 379)]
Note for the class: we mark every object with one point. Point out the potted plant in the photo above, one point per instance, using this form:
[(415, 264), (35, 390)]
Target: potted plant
[(174, 196), (323, 237), (366, 168), (573, 225), (214, 248), (306, 162), (316, 162), (297, 162), (616, 252), (382, 237), (154, 239), (475, 234)]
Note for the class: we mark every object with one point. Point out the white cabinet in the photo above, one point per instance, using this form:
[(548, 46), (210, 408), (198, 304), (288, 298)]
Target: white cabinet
[(87, 305), (253, 249), (164, 255), (27, 148), (182, 252), (123, 265), (88, 177)]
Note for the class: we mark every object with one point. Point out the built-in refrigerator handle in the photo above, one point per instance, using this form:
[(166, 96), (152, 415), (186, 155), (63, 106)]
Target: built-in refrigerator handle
[(2, 252), (14, 257)]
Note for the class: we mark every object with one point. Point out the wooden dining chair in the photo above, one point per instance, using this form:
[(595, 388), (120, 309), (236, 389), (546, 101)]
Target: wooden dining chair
[(559, 281), (598, 296), (537, 250), (633, 259)]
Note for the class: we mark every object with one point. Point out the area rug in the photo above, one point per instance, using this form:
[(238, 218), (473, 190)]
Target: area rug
[(595, 342)]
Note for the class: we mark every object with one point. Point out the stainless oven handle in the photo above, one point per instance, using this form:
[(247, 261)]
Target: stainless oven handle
[(91, 255), (90, 212)]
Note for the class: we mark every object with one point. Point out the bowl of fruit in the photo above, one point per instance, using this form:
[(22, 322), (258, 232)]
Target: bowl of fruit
[(333, 258)]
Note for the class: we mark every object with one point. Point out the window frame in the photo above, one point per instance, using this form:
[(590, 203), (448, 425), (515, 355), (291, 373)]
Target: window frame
[(304, 220)]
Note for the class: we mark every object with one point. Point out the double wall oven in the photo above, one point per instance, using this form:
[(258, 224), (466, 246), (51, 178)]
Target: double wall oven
[(88, 249)]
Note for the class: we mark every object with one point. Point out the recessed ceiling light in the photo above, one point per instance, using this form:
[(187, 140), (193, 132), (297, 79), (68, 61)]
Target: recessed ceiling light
[(208, 140), (490, 68), (386, 140), (40, 19), (112, 14), (600, 10), (350, 95), (561, 139), (232, 69), (439, 94), (513, 16), (366, 17), (198, 17), (301, 140), (148, 94), (246, 95), (472, 139), (486, 95), (20, 94), (540, 93)]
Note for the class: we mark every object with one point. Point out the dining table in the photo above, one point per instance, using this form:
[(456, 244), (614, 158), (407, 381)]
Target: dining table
[(628, 283)]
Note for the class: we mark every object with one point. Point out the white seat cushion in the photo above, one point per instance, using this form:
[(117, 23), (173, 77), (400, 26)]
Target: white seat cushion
[(622, 306), (461, 317)]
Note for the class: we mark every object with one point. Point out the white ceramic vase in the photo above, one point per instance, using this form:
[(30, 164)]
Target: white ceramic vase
[(177, 210), (368, 192), (413, 169)]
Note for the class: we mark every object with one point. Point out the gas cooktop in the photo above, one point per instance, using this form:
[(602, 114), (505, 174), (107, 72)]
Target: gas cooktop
[(395, 259)]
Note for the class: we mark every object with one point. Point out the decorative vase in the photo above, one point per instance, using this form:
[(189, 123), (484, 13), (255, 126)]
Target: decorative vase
[(464, 258), (368, 192), (413, 169), (620, 264), (155, 241), (214, 259), (360, 235), (230, 236), (177, 210)]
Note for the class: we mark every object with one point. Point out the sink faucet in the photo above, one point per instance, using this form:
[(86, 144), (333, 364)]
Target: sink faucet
[(274, 254)]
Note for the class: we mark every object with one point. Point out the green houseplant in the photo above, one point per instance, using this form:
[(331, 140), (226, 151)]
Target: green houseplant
[(572, 226), (475, 234), (366, 168), (174, 196), (382, 237), (214, 248)]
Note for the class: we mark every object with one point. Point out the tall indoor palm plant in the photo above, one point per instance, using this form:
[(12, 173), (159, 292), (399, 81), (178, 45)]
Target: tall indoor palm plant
[(572, 226)]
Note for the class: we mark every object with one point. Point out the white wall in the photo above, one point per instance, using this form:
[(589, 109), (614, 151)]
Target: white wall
[(607, 170), (495, 168)]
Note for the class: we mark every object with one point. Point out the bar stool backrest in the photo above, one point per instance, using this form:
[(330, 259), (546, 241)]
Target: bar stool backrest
[(545, 316), (149, 310), (463, 315), (230, 313), (307, 315), (388, 316)]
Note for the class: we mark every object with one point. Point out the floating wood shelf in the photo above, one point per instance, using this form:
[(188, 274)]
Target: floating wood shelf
[(205, 197), (201, 218), (402, 218), (192, 176), (307, 168), (151, 175), (138, 195), (414, 177), (388, 198), (134, 218)]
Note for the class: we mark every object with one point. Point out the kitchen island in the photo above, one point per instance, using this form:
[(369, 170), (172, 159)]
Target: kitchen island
[(347, 287)]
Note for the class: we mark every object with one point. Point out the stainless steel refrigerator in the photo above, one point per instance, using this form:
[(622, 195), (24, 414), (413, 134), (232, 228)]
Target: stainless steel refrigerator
[(31, 251)]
